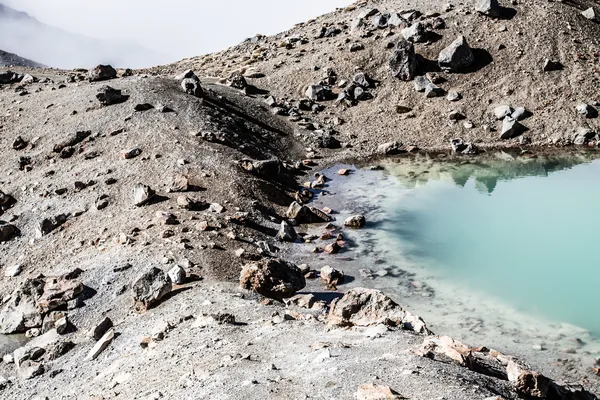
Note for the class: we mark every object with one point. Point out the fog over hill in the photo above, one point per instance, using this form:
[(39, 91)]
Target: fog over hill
[(24, 35)]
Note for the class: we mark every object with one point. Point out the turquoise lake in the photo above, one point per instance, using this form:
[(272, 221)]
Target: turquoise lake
[(525, 233)]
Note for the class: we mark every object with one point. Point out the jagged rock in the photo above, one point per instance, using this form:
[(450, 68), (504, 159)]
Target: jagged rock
[(332, 248), (453, 96), (587, 111), (520, 113), (287, 233), (488, 7), (354, 47), (511, 128), (179, 183), (273, 278), (421, 83), (395, 20), (30, 369), (583, 136), (331, 277), (457, 56), (71, 140), (550, 65), (177, 275), (20, 313), (432, 90), (190, 84), (263, 167), (142, 194), (302, 300), (316, 215), (318, 93), (102, 73), (101, 328), (150, 288), (57, 291), (367, 307), (355, 221), (589, 13), (108, 95), (6, 201), (166, 218), (130, 153), (12, 271), (415, 33), (9, 77), (389, 148), (18, 144), (403, 63), (101, 344), (371, 391), (296, 211), (502, 111), (48, 225), (362, 80), (8, 232), (236, 80)]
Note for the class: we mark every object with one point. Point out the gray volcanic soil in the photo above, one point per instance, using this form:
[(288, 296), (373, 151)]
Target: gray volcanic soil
[(204, 140)]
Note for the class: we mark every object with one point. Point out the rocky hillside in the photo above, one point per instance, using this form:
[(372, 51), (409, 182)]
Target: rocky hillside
[(13, 60), (537, 57), (145, 215)]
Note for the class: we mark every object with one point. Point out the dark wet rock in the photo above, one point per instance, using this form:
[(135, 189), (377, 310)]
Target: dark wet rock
[(102, 73), (108, 96), (150, 288), (48, 225), (331, 277), (101, 328), (457, 56), (142, 194), (511, 128), (488, 7), (367, 307), (273, 278), (287, 233), (403, 63), (355, 221)]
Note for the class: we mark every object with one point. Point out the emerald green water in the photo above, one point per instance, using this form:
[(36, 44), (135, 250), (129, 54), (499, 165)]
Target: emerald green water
[(524, 233)]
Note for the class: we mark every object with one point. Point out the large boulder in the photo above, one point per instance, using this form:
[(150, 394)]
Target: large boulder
[(456, 57), (403, 62), (273, 278), (108, 96), (102, 73), (190, 84), (8, 232), (367, 307), (488, 7), (150, 288), (58, 290)]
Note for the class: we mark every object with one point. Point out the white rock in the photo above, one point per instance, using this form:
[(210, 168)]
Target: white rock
[(177, 275), (101, 344), (12, 271)]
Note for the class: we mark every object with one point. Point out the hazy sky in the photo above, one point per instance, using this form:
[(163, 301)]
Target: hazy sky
[(177, 28)]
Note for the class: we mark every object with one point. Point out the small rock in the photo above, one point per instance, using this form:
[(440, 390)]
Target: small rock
[(371, 391), (502, 111), (511, 128), (177, 275), (389, 148), (101, 73), (590, 14), (109, 96), (101, 328), (453, 96), (488, 7), (432, 90), (287, 233), (331, 277), (457, 56), (101, 344), (142, 194), (355, 221), (12, 271), (403, 63), (551, 65), (151, 287), (273, 278)]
